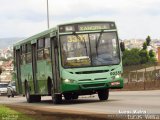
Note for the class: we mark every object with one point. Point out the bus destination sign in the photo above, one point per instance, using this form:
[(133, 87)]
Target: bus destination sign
[(87, 27), (95, 26)]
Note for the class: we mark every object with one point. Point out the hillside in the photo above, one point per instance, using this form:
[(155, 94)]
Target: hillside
[(5, 42)]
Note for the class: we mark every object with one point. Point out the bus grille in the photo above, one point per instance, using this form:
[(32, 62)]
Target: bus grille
[(93, 85), (91, 72), (100, 78), (85, 80), (90, 80)]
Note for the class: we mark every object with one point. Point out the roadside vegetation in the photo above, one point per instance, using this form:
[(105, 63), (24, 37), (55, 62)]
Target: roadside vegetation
[(138, 56), (9, 114), (20, 113)]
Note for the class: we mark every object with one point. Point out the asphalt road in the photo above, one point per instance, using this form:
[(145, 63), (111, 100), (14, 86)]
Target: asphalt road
[(118, 102)]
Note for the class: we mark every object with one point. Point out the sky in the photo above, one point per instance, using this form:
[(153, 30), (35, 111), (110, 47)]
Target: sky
[(134, 18)]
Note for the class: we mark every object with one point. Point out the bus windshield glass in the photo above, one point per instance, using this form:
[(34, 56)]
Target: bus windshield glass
[(93, 49)]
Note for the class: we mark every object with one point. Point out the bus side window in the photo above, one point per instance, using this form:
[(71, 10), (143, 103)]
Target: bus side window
[(28, 54), (40, 49), (14, 56), (47, 48), (23, 56)]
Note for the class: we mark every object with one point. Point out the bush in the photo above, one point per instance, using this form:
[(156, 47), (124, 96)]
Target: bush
[(144, 56), (131, 57), (137, 57)]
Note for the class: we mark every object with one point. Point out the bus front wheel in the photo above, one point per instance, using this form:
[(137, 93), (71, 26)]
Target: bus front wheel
[(68, 96), (103, 94), (75, 96), (56, 98)]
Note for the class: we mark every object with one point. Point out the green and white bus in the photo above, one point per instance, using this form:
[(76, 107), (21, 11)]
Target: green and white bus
[(69, 60)]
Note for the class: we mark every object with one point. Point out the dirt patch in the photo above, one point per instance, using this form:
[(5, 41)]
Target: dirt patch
[(48, 114)]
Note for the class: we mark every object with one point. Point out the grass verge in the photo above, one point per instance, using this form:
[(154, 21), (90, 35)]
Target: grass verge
[(9, 114)]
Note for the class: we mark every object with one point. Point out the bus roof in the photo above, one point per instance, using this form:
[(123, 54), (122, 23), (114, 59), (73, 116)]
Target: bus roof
[(41, 34), (84, 22)]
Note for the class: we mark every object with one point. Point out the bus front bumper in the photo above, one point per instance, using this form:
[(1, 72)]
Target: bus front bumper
[(107, 84)]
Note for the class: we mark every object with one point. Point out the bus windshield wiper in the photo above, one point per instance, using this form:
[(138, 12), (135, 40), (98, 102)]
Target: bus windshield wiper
[(74, 33), (97, 41)]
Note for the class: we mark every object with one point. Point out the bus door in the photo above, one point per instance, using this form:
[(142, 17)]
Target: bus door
[(34, 67), (18, 72), (55, 65)]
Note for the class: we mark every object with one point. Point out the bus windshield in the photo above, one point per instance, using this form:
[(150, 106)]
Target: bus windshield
[(93, 49)]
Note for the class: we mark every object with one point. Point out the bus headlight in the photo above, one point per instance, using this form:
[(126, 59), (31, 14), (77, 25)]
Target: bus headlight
[(68, 81), (118, 76)]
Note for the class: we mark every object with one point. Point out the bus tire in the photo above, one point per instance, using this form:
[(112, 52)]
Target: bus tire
[(67, 96), (31, 98), (103, 94), (12, 94), (36, 98), (75, 96), (56, 98), (27, 94)]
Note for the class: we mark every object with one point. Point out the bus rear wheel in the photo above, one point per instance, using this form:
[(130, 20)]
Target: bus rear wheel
[(27, 93), (31, 98), (103, 94), (36, 98)]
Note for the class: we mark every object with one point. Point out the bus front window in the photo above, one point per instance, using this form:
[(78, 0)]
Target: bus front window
[(75, 50), (104, 48), (94, 49)]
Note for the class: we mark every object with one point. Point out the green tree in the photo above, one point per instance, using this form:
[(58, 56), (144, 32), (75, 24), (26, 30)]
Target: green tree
[(131, 57), (148, 40), (144, 46), (152, 55), (122, 46), (144, 56)]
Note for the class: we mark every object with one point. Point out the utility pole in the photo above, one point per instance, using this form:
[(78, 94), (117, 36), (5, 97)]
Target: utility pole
[(47, 15)]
